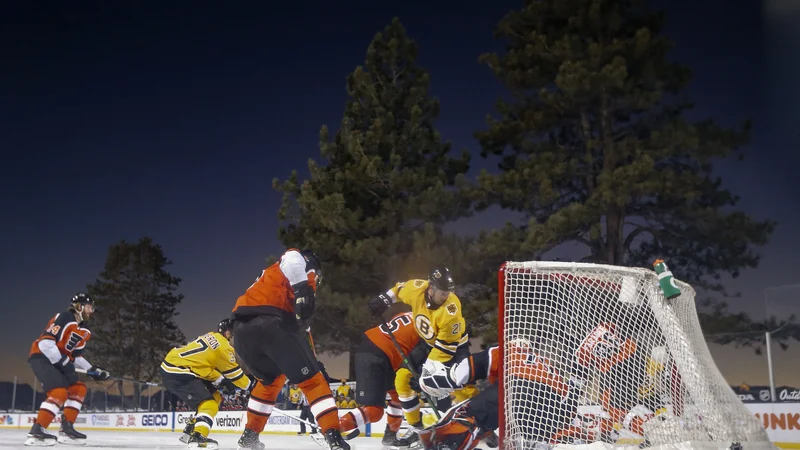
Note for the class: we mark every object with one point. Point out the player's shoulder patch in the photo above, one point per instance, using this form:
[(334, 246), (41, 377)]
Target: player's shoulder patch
[(452, 309), (419, 283)]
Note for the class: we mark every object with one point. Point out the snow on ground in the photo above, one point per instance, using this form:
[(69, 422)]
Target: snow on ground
[(136, 440)]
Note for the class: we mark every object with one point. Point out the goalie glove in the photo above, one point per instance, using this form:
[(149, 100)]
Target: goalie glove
[(379, 304), (98, 374), (436, 379)]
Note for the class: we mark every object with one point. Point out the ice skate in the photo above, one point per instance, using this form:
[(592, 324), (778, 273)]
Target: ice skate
[(187, 431), (249, 441), (335, 441), (38, 437), (68, 435), (197, 440), (410, 441)]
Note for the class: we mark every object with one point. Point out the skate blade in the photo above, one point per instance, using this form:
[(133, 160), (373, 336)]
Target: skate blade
[(33, 442), (207, 446), (66, 440), (184, 438)]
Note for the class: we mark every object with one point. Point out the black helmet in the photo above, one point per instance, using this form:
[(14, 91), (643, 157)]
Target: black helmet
[(312, 263), (440, 278), (82, 299), (225, 325)]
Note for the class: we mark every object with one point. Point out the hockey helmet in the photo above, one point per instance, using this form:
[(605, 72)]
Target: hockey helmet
[(312, 263), (82, 299), (441, 279), (225, 325)]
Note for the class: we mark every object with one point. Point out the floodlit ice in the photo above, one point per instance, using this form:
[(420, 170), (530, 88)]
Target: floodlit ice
[(134, 440)]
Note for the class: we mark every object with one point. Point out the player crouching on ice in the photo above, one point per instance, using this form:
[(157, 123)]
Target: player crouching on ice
[(196, 372), (53, 358), (464, 425)]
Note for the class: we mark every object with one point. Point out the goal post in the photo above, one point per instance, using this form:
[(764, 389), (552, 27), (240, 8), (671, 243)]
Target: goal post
[(609, 361)]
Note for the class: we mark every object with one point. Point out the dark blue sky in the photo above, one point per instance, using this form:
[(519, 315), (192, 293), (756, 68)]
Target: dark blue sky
[(171, 121)]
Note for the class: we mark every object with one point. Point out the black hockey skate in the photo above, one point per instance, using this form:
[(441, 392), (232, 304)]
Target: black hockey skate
[(249, 441), (389, 438), (187, 430), (410, 441), (68, 435), (335, 440), (38, 437), (197, 440)]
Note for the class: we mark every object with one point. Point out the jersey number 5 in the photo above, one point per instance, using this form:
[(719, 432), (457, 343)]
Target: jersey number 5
[(395, 324), (201, 348)]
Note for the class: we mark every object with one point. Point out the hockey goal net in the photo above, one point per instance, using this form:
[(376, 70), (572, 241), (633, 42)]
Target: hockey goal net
[(596, 354)]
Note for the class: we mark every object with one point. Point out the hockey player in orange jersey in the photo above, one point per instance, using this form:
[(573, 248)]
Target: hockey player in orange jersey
[(271, 341), (463, 426), (54, 356), (376, 362)]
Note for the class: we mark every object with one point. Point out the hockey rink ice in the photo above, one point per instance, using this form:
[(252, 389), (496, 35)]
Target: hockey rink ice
[(123, 440)]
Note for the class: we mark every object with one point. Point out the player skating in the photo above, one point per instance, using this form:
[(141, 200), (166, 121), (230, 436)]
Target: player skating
[(53, 358), (195, 372), (376, 362), (436, 312), (271, 342)]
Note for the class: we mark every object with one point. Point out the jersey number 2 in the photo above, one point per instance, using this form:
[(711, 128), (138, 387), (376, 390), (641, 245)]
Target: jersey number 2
[(396, 323)]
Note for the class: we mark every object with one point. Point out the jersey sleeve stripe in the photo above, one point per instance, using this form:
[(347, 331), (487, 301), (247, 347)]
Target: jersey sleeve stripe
[(231, 370), (444, 349), (237, 377), (452, 346)]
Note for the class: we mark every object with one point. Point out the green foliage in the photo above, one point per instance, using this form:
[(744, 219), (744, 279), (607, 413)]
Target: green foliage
[(595, 147), (136, 300), (373, 207)]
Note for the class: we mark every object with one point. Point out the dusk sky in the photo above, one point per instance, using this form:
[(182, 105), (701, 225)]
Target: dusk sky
[(118, 122)]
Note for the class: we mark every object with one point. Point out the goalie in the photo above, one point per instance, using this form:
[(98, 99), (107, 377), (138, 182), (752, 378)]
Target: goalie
[(532, 376), (628, 379)]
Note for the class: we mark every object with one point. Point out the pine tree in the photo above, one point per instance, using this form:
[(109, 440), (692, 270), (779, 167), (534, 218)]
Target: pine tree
[(595, 147), (137, 299), (372, 209)]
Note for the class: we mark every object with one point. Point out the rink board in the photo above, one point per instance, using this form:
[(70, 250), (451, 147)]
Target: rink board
[(781, 420)]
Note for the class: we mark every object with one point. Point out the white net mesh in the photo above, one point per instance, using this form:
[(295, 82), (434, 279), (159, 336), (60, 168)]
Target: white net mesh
[(612, 361)]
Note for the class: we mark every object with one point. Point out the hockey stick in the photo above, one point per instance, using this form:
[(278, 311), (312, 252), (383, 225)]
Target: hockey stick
[(130, 380), (410, 368), (317, 437)]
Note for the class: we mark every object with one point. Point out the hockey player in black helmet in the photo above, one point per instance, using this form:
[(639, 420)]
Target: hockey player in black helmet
[(196, 372), (53, 357), (438, 319)]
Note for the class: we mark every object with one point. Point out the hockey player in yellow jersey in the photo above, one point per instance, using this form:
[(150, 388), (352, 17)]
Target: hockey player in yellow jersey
[(196, 372), (436, 312)]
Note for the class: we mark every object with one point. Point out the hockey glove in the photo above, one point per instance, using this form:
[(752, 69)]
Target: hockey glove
[(304, 300), (225, 385), (98, 374), (436, 380), (66, 367), (379, 304)]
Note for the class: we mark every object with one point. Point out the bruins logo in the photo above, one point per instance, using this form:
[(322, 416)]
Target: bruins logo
[(423, 326), (419, 283), (452, 309)]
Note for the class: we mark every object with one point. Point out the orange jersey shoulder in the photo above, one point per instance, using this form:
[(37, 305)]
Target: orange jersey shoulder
[(70, 337), (271, 289), (403, 330)]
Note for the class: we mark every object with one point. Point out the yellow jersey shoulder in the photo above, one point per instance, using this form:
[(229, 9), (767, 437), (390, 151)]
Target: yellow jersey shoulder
[(411, 292)]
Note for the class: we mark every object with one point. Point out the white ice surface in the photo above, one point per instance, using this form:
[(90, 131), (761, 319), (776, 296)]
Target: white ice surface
[(136, 440)]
